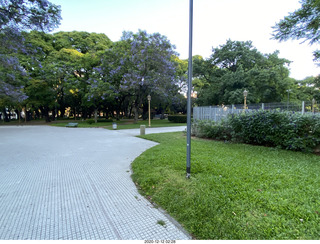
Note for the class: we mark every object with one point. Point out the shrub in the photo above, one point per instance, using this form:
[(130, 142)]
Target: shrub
[(90, 121), (104, 120), (177, 118), (211, 129), (287, 130)]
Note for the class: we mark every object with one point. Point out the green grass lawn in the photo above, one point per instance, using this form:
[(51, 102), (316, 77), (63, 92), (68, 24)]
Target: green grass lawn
[(125, 124), (236, 191)]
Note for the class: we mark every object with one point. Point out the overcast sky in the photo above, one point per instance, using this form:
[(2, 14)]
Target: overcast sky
[(215, 21)]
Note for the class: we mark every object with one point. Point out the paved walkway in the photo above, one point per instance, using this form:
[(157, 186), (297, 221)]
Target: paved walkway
[(73, 183)]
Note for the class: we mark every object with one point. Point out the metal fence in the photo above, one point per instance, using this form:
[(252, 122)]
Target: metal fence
[(217, 113)]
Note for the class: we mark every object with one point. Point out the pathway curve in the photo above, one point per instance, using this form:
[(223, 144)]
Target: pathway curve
[(74, 183)]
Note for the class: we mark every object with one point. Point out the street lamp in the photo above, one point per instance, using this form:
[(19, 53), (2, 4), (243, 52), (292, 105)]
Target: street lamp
[(289, 90), (313, 103), (245, 94), (149, 100)]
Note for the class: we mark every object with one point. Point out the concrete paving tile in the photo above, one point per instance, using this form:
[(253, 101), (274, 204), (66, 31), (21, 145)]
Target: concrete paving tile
[(72, 184)]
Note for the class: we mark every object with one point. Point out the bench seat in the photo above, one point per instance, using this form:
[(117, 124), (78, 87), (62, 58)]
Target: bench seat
[(72, 125)]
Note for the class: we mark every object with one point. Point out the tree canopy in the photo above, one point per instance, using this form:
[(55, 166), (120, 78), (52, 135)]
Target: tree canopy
[(17, 16), (236, 66), (81, 73), (303, 23), (88, 73)]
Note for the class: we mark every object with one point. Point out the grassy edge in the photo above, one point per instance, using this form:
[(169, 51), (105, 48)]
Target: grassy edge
[(179, 179)]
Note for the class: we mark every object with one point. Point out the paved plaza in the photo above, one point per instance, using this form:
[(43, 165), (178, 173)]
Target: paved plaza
[(74, 183)]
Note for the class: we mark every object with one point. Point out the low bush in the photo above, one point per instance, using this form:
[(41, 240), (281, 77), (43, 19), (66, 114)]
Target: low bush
[(211, 129), (90, 121), (177, 118), (104, 120), (287, 130)]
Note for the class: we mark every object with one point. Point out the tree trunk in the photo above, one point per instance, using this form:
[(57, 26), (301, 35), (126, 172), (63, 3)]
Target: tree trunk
[(54, 112), (145, 111), (136, 113), (37, 116), (9, 115), (95, 115), (62, 112), (45, 113), (25, 115), (5, 115), (19, 115)]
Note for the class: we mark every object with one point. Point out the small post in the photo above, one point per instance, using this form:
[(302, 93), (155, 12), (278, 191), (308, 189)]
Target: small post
[(302, 111), (142, 130), (262, 106), (114, 125)]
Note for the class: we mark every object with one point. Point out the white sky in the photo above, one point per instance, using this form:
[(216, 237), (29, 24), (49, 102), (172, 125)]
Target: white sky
[(214, 22)]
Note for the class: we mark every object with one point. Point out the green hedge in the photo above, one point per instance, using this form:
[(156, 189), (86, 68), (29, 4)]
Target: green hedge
[(287, 130), (90, 121), (104, 120), (211, 129), (177, 118)]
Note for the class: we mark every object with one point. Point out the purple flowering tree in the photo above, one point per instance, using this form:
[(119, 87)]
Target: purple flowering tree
[(146, 67), (17, 16)]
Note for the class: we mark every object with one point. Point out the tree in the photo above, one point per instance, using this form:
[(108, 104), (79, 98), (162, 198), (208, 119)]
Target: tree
[(307, 89), (41, 96), (66, 69), (81, 41), (237, 66), (143, 65), (17, 16), (303, 23), (25, 15)]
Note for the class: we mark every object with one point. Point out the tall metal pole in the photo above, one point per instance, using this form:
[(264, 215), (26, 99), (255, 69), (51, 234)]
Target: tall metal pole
[(189, 91), (149, 100), (288, 96)]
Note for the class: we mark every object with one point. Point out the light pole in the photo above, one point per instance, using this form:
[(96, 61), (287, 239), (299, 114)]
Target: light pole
[(149, 100), (189, 90), (289, 90), (313, 103), (245, 94)]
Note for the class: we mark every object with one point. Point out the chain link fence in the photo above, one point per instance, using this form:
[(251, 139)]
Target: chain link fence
[(217, 113)]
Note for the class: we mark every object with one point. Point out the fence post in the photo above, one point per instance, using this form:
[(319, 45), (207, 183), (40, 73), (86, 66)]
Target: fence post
[(232, 109), (262, 106), (302, 107)]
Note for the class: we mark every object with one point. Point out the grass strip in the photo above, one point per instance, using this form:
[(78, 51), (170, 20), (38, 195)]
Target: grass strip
[(236, 191), (121, 125)]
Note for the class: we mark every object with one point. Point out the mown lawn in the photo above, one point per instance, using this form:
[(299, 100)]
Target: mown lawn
[(125, 124), (236, 191)]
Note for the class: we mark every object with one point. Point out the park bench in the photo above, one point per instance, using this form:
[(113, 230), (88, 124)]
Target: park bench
[(72, 125)]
